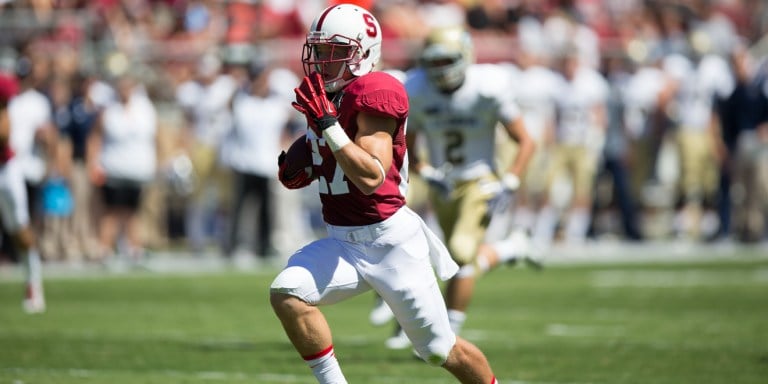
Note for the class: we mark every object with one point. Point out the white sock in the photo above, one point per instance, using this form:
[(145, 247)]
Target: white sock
[(34, 267), (325, 367), (544, 229), (457, 319), (577, 226)]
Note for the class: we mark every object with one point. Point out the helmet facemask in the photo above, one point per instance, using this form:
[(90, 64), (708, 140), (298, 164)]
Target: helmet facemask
[(447, 72), (321, 54), (446, 55), (345, 35)]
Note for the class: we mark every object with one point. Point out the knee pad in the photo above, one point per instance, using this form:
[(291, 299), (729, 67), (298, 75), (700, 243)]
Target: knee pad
[(294, 281), (436, 352), (433, 359)]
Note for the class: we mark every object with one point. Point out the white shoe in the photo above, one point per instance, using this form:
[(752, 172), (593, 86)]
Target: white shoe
[(34, 300), (530, 255), (381, 313), (398, 341)]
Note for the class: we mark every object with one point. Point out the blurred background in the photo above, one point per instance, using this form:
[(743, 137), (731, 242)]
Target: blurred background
[(207, 85)]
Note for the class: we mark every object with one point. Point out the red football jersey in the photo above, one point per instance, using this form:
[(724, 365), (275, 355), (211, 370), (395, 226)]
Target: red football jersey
[(376, 93)]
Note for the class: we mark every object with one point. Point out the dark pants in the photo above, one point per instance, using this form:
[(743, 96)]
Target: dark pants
[(724, 202), (622, 196), (256, 187)]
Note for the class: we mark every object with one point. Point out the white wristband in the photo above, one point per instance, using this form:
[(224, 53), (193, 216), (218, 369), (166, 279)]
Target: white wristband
[(336, 137)]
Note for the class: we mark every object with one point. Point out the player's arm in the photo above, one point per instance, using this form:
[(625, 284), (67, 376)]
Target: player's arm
[(93, 150), (5, 127), (526, 146), (415, 162), (366, 159), (295, 165)]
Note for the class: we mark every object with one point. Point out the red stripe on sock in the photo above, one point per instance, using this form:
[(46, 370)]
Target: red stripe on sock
[(493, 380), (319, 354)]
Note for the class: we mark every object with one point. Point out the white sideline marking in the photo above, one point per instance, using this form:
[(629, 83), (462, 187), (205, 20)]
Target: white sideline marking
[(687, 278), (583, 330)]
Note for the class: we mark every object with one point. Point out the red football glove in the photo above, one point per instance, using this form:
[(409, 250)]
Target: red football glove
[(299, 179), (312, 101)]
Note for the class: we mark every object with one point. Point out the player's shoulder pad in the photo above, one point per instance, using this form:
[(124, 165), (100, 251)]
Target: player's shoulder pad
[(379, 93), (490, 79)]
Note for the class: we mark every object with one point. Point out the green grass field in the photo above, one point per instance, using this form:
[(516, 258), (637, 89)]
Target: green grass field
[(702, 322)]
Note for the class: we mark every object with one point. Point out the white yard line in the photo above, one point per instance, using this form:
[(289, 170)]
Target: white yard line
[(674, 279), (570, 330)]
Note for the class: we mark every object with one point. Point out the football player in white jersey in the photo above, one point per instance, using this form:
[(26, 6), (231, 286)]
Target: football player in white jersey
[(696, 85), (14, 212), (535, 92), (578, 142), (456, 105)]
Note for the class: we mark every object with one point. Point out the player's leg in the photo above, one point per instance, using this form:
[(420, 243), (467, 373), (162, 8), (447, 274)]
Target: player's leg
[(414, 295), (34, 298), (318, 274), (470, 222), (14, 217), (418, 198), (583, 163), (467, 363), (109, 223)]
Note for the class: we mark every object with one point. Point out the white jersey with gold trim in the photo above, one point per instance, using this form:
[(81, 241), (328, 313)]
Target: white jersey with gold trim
[(460, 127)]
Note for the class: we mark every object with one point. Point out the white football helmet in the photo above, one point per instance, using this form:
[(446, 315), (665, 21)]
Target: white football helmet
[(446, 55), (345, 33)]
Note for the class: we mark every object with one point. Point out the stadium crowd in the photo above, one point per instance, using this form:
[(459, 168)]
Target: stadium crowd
[(151, 124)]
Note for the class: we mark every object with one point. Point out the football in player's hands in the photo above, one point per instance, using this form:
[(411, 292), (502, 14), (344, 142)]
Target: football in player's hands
[(298, 156)]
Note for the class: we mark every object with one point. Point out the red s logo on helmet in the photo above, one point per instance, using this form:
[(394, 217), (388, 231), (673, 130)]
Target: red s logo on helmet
[(372, 31)]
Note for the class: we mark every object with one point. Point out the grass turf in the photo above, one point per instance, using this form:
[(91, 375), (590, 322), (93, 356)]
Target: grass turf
[(639, 323)]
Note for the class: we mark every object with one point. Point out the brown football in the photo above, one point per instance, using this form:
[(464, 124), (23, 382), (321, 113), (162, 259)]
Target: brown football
[(298, 156)]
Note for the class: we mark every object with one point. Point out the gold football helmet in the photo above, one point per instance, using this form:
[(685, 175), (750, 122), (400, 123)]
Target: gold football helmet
[(446, 55)]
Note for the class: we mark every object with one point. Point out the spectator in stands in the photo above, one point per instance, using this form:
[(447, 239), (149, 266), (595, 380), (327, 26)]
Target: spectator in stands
[(206, 104), (75, 119), (261, 118), (735, 113), (56, 242), (121, 157), (616, 150), (752, 167)]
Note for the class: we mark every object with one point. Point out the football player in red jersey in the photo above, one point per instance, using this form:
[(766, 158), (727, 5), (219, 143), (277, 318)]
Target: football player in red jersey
[(356, 118), (14, 214)]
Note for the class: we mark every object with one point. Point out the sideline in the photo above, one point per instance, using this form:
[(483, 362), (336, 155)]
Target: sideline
[(165, 263)]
